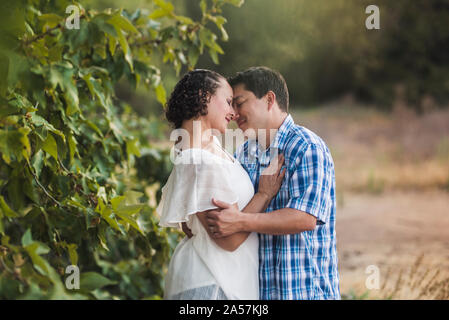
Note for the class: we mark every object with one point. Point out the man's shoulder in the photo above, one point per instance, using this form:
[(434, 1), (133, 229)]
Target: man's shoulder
[(299, 139)]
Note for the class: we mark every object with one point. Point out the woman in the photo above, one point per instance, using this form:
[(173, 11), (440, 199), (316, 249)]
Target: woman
[(203, 267)]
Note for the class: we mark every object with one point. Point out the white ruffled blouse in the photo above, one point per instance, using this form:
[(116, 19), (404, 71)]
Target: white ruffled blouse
[(197, 177)]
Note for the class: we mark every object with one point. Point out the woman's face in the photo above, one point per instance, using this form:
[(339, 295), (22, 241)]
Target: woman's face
[(219, 109)]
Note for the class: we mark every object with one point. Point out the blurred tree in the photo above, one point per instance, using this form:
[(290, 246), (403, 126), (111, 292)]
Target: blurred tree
[(411, 51), (324, 50)]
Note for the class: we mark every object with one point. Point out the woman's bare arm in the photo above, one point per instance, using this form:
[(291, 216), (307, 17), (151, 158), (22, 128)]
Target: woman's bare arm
[(233, 241)]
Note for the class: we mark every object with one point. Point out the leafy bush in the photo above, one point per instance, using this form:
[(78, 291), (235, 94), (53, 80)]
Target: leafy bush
[(77, 169)]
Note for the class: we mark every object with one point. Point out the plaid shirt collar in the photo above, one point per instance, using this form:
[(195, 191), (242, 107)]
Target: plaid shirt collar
[(281, 135), (277, 143)]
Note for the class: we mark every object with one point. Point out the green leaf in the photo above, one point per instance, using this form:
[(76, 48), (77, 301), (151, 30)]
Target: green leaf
[(55, 53), (4, 147), (165, 9), (132, 147), (34, 292), (105, 213), (161, 95), (131, 197), (112, 43), (71, 96), (102, 236), (214, 56), (94, 127), (26, 148), (185, 20), (101, 20), (39, 121), (95, 88), (62, 75), (15, 142), (26, 238), (126, 217), (88, 79), (41, 132), (203, 6), (193, 55), (51, 147), (158, 13), (6, 210), (125, 47), (34, 250), (71, 248), (120, 22), (90, 281), (164, 5), (75, 202), (72, 146), (51, 20), (21, 102), (37, 162), (30, 191), (220, 21), (237, 3), (127, 206), (15, 194)]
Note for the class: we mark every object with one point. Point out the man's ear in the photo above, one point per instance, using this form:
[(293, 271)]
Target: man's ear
[(271, 99)]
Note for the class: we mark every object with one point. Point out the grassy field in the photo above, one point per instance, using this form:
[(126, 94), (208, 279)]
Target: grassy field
[(392, 172)]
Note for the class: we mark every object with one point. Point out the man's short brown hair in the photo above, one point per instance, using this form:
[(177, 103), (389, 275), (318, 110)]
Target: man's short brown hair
[(260, 80)]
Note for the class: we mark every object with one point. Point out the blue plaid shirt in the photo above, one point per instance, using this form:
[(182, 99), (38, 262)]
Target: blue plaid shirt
[(303, 265)]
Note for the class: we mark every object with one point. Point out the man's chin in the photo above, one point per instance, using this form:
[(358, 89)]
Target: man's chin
[(249, 132), (243, 126)]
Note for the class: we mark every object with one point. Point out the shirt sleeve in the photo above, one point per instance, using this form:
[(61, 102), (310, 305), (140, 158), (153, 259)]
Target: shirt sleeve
[(310, 184), (190, 189)]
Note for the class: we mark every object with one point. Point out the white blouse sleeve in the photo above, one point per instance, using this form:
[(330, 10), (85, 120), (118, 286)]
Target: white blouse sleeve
[(190, 189)]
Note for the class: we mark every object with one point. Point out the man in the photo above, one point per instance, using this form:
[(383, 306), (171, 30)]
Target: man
[(297, 239)]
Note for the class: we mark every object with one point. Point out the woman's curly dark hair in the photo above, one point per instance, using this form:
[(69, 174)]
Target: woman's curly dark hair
[(191, 95)]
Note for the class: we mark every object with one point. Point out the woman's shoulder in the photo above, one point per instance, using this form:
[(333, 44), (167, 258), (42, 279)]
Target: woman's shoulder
[(200, 156)]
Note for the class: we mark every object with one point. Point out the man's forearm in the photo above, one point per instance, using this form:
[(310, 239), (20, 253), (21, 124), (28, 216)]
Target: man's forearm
[(283, 221), (258, 203)]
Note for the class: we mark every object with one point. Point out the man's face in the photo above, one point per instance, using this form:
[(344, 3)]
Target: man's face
[(252, 113)]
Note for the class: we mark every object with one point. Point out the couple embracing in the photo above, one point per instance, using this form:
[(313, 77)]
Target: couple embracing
[(259, 224)]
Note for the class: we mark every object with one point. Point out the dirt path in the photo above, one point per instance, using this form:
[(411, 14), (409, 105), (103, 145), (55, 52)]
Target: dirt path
[(391, 231)]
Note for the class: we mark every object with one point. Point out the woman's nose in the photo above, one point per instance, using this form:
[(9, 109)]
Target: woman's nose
[(232, 115)]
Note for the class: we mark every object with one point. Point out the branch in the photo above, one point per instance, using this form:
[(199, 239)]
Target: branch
[(49, 31), (42, 187), (5, 266), (40, 36)]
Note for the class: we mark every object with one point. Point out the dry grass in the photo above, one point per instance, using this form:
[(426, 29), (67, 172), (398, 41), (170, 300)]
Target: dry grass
[(416, 282)]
